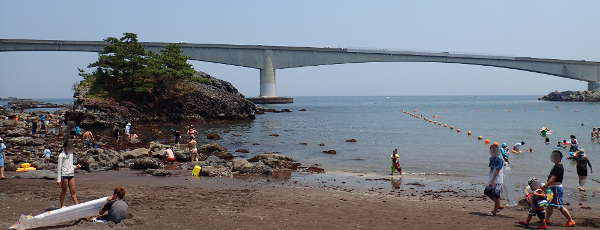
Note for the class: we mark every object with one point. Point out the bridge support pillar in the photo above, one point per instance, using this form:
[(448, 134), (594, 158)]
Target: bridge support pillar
[(594, 86), (268, 91), (267, 82)]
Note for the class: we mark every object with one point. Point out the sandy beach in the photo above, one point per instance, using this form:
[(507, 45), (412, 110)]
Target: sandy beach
[(185, 202)]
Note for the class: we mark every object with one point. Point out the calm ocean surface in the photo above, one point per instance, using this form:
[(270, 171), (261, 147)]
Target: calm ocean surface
[(426, 149)]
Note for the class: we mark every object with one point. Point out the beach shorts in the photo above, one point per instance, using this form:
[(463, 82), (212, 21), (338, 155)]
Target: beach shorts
[(493, 191), (67, 177), (557, 199), (582, 171)]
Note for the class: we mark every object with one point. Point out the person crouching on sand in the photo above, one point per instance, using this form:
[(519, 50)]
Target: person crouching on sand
[(115, 210), (496, 178), (66, 173), (555, 184), (396, 162)]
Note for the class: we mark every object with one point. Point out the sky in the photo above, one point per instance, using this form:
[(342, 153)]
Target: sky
[(533, 28)]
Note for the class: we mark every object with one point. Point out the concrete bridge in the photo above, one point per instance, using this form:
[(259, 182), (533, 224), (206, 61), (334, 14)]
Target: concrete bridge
[(270, 58)]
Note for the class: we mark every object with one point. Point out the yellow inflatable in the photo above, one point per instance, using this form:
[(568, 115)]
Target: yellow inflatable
[(26, 169), (196, 171)]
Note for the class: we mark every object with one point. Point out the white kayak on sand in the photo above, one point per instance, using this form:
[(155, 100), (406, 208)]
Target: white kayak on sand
[(62, 215)]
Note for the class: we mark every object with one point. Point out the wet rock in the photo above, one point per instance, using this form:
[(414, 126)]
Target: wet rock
[(286, 110), (182, 155), (26, 141), (303, 143), (274, 135), (17, 132), (275, 160), (213, 136), (240, 164), (352, 140), (215, 171), (331, 151), (136, 153), (37, 174), (242, 151), (302, 110), (145, 163), (215, 150), (314, 169), (157, 149), (158, 172)]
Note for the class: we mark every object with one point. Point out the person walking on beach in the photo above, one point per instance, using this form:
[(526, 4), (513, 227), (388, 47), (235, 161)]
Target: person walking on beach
[(395, 162), (495, 178), (555, 179), (582, 162), (2, 148), (66, 173), (193, 149)]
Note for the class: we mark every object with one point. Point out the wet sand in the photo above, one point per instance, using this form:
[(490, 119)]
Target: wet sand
[(183, 202)]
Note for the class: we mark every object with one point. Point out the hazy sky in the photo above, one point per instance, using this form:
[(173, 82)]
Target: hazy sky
[(543, 28)]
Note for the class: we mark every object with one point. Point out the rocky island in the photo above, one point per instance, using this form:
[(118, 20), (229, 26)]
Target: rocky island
[(582, 96), (130, 84)]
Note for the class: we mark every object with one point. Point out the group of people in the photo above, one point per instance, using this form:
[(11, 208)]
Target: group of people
[(115, 209), (46, 123), (553, 184), (192, 143), (128, 131), (543, 198)]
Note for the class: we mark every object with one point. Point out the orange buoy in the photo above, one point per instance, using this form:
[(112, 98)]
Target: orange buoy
[(487, 141)]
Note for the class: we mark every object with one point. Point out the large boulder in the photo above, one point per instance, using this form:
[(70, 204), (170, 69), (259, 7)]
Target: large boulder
[(275, 160), (216, 171), (18, 132), (136, 153), (145, 163), (215, 150)]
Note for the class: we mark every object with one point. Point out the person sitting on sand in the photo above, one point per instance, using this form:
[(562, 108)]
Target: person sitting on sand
[(395, 162), (88, 139), (582, 162), (537, 201), (115, 210), (495, 178), (170, 155), (554, 182), (66, 172), (2, 148), (193, 149)]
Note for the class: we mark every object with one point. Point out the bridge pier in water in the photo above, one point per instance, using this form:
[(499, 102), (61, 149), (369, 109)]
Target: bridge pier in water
[(594, 86), (268, 87)]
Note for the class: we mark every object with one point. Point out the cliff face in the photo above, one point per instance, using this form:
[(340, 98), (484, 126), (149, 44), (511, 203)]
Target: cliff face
[(584, 96), (211, 100)]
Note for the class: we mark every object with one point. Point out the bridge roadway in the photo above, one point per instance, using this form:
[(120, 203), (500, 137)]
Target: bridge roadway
[(270, 58)]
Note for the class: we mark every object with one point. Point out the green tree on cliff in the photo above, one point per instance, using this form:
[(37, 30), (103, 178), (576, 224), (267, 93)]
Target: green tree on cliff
[(125, 69)]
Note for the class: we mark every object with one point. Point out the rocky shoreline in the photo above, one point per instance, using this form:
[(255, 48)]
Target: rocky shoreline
[(581, 96)]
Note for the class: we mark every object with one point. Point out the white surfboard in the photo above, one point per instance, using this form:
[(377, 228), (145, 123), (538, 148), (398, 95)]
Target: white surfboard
[(62, 215)]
